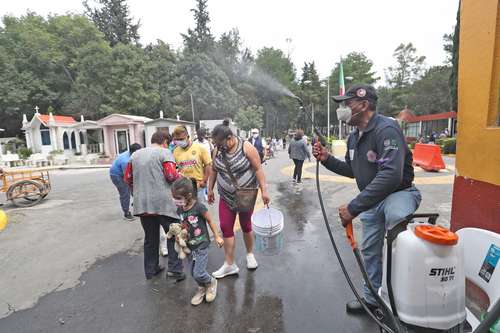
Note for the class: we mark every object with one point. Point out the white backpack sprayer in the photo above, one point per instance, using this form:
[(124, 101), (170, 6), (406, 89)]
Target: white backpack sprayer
[(423, 288)]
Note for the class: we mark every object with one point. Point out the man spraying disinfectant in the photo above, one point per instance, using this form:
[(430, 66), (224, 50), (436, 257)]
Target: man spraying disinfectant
[(380, 161)]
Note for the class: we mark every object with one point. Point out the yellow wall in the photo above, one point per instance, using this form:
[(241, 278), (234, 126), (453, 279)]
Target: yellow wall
[(478, 141)]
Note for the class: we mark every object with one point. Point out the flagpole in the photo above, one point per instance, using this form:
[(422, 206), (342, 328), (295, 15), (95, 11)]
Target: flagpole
[(328, 109), (341, 92)]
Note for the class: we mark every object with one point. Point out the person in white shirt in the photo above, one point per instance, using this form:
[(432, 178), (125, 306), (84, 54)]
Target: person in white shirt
[(200, 138)]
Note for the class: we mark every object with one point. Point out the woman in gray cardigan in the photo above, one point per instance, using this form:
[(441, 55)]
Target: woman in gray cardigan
[(298, 152)]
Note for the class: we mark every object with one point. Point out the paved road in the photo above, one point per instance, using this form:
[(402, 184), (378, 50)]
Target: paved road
[(72, 265)]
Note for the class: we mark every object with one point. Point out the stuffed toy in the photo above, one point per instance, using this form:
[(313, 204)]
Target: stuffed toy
[(181, 236)]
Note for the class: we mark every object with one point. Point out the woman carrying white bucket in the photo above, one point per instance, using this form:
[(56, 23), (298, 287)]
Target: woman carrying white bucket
[(238, 173)]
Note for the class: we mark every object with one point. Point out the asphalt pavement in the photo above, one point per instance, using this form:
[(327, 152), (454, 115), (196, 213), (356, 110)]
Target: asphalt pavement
[(73, 265)]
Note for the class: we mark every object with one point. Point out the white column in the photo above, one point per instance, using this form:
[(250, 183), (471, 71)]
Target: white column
[(100, 140), (55, 138), (77, 141), (83, 144), (131, 134)]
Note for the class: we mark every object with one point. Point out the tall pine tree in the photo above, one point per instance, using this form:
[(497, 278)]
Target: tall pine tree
[(114, 21)]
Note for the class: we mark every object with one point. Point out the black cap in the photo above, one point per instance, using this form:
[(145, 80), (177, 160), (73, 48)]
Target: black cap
[(359, 91)]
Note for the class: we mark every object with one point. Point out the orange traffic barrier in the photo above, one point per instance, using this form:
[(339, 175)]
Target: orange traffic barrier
[(428, 157)]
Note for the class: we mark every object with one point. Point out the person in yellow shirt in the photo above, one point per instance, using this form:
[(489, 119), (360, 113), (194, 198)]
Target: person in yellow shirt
[(192, 159)]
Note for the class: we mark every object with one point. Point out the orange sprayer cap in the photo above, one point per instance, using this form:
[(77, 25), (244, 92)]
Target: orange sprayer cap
[(436, 234)]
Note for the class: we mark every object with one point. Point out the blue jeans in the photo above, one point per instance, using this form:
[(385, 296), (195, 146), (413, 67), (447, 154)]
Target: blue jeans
[(375, 222), (201, 192), (199, 261), (123, 190)]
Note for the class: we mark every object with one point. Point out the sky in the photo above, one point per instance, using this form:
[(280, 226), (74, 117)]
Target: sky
[(314, 30)]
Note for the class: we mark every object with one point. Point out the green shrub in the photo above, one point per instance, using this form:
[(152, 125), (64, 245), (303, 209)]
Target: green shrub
[(24, 153), (56, 152), (448, 145)]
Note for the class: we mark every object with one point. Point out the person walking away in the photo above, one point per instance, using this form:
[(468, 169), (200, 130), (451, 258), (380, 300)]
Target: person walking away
[(284, 142), (298, 152), (380, 161), (236, 166), (150, 173), (258, 143), (194, 217), (116, 173), (193, 160)]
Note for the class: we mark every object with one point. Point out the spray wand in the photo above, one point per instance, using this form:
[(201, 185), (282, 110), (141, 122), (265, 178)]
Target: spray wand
[(350, 236)]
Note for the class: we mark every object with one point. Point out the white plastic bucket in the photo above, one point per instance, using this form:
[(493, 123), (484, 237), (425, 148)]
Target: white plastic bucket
[(267, 226)]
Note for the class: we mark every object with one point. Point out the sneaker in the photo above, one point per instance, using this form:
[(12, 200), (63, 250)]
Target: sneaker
[(199, 296), (178, 276), (211, 291), (164, 251), (354, 307), (294, 180), (251, 262), (128, 217), (226, 270)]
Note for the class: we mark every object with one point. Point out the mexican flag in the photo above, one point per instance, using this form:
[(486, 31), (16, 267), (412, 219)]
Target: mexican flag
[(341, 80)]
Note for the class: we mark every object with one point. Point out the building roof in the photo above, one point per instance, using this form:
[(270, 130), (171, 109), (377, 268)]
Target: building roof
[(408, 116), (59, 120), (106, 120), (405, 115), (171, 120)]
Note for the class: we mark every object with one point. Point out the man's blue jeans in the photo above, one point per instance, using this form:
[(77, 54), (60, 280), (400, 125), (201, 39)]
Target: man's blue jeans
[(123, 190), (375, 222)]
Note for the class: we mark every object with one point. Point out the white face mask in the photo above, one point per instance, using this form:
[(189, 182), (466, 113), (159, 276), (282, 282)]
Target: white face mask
[(182, 143), (255, 135), (344, 113)]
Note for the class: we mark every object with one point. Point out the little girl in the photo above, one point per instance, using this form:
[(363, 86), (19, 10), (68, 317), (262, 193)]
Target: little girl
[(194, 218)]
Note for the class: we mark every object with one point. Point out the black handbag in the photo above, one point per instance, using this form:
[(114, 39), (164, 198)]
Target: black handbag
[(245, 197)]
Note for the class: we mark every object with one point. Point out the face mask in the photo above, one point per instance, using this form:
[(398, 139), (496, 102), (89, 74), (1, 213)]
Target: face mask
[(181, 143), (179, 202), (255, 135), (344, 113)]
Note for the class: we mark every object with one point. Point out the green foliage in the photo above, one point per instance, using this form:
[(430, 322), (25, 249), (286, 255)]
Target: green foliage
[(56, 152), (250, 117), (355, 65), (114, 21), (453, 81), (199, 39), (431, 93), (24, 153), (448, 145), (408, 68)]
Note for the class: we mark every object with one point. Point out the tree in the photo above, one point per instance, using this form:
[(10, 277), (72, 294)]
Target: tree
[(274, 76), (163, 77), (408, 68), (208, 84), (39, 64), (199, 39), (453, 81), (250, 117), (431, 94), (114, 21), (355, 65)]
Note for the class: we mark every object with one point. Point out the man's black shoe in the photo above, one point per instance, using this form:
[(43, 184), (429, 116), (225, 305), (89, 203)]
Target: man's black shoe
[(158, 271), (354, 307), (178, 276)]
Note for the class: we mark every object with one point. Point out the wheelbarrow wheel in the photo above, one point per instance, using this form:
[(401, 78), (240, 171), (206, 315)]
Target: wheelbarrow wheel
[(25, 193)]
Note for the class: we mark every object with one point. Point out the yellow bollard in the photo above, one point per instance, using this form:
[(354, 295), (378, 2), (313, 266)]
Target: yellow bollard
[(3, 220)]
